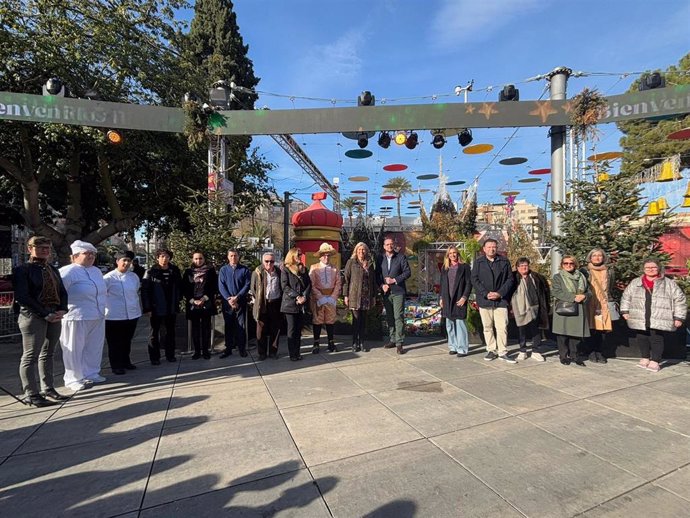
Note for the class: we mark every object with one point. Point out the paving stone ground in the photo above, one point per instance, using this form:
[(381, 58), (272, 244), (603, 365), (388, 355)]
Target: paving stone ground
[(348, 434)]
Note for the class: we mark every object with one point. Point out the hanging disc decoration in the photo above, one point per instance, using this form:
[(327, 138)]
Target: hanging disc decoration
[(394, 167), (359, 178), (510, 193), (456, 182), (388, 197), (427, 176), (358, 153), (683, 134), (477, 149), (513, 160), (540, 171), (529, 180), (608, 155)]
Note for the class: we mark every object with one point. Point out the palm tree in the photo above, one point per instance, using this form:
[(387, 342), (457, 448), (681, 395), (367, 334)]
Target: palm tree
[(349, 204), (398, 186)]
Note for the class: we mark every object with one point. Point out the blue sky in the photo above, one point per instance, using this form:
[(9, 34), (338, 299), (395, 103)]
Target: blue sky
[(414, 49)]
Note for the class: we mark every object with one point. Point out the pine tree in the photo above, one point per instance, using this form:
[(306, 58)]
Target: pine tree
[(609, 215), (216, 48), (467, 226), (644, 142)]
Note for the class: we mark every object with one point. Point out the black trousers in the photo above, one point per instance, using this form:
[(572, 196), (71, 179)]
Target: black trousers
[(295, 321), (200, 322), (268, 328), (119, 334), (317, 331), (235, 330), (568, 346), (168, 321), (651, 343), (359, 319), (529, 333), (595, 342)]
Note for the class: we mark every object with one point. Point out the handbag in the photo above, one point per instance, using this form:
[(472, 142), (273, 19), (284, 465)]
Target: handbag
[(567, 309), (614, 310)]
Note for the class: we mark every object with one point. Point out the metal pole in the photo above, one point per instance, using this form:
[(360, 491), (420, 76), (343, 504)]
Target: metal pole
[(286, 223), (558, 80)]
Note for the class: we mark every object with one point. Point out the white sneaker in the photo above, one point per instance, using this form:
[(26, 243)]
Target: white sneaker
[(75, 386), (522, 356), (537, 356), (96, 378)]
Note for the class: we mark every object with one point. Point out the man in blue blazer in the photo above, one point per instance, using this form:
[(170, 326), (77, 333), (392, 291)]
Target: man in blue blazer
[(233, 285), (392, 269)]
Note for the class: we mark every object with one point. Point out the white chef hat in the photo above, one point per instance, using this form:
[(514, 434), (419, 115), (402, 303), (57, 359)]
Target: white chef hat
[(79, 247)]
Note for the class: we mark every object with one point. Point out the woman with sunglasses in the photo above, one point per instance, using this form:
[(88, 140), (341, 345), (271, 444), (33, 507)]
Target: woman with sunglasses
[(570, 321)]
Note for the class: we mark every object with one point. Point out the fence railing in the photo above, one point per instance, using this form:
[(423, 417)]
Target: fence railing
[(8, 320)]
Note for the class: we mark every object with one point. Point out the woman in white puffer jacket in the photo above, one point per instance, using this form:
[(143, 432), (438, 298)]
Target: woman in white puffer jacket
[(654, 307)]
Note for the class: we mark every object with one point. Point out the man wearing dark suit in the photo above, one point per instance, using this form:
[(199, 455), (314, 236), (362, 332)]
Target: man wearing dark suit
[(233, 284), (392, 269)]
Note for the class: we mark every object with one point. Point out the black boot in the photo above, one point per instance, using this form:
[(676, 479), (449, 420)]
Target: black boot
[(331, 347), (315, 349), (363, 346)]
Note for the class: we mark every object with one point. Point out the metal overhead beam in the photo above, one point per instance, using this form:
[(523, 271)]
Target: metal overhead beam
[(293, 149), (661, 102)]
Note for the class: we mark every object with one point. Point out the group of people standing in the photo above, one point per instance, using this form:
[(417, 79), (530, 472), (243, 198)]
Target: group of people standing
[(79, 308), (584, 309)]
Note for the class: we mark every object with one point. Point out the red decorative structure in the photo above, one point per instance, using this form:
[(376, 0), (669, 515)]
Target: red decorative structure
[(315, 225)]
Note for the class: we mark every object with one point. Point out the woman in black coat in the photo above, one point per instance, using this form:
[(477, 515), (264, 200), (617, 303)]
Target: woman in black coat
[(296, 285), (456, 285), (199, 288)]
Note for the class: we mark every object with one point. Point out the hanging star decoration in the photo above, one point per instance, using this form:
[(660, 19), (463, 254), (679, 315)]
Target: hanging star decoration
[(543, 110), (488, 110)]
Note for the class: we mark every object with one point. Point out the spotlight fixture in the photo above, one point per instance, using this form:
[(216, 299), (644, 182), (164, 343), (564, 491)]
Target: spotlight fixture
[(652, 81), (366, 99), (219, 95), (384, 140), (439, 140), (509, 93), (400, 138), (412, 141), (114, 137), (465, 137), (55, 86), (362, 140)]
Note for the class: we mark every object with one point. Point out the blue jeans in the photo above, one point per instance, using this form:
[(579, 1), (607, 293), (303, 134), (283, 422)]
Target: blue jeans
[(458, 340)]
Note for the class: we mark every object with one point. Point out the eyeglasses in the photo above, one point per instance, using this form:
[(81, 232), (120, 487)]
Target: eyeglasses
[(568, 264), (269, 262)]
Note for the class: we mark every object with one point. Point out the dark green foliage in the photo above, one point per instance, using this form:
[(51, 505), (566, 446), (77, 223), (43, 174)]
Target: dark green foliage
[(610, 216), (130, 52), (644, 142), (467, 225)]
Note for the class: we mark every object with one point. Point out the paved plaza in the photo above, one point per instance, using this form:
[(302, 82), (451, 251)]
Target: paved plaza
[(352, 434)]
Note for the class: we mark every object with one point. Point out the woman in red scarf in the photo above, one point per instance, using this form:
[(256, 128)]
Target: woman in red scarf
[(654, 306)]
